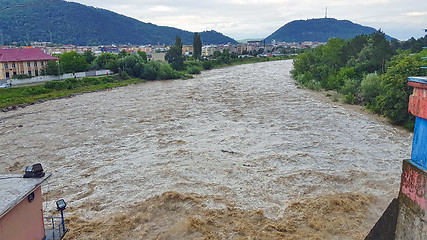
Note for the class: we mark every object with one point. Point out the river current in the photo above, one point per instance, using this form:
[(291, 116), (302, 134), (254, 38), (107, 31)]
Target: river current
[(242, 138)]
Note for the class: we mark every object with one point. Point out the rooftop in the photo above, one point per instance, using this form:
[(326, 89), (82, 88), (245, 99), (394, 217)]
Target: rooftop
[(418, 79), (14, 188), (24, 54)]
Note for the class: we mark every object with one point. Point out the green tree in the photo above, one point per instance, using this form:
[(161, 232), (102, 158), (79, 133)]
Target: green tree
[(394, 97), (174, 55), (132, 64), (151, 70), (122, 54), (102, 60), (52, 68), (197, 46), (89, 57), (374, 55), (216, 54), (225, 57), (143, 55), (73, 62)]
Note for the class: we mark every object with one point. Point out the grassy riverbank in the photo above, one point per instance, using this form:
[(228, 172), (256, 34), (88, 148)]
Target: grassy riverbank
[(20, 96), (10, 97)]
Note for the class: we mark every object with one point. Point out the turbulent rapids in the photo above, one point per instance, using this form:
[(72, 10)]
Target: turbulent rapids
[(235, 153)]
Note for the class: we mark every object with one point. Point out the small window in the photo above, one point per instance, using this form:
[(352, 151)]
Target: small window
[(7, 75), (14, 73), (37, 72), (6, 65), (42, 63), (35, 64), (29, 73), (28, 64), (13, 65)]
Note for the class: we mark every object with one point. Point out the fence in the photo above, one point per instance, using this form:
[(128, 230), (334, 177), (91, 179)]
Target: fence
[(55, 228), (41, 79)]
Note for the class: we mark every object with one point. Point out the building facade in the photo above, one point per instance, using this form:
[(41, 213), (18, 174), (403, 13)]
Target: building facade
[(21, 207), (23, 61)]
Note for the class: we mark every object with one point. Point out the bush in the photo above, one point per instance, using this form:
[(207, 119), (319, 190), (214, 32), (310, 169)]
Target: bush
[(350, 98), (194, 70), (313, 85), (304, 78), (55, 85), (336, 81), (207, 65), (151, 70), (166, 72), (350, 86), (370, 87), (124, 75), (72, 83), (21, 76), (335, 97)]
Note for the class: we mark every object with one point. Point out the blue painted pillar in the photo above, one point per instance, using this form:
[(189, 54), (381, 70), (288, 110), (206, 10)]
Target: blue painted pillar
[(418, 107), (412, 210)]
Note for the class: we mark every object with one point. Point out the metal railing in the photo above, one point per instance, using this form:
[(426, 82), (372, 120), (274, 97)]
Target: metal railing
[(55, 228)]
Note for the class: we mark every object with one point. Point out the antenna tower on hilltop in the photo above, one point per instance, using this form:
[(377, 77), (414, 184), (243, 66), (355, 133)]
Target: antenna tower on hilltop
[(326, 12)]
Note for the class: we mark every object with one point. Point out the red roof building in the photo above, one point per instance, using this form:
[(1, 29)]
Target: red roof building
[(23, 61)]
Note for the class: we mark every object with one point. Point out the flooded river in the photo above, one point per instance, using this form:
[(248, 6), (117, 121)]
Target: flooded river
[(235, 153)]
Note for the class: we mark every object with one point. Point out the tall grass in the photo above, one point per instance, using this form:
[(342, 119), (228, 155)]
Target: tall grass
[(55, 89)]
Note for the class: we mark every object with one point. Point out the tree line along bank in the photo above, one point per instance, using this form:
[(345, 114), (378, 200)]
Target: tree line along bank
[(366, 70)]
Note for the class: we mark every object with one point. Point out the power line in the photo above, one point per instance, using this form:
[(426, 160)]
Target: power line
[(28, 4)]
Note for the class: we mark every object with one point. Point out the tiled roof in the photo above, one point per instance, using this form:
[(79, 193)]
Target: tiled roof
[(24, 55)]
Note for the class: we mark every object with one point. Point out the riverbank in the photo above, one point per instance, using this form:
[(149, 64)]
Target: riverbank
[(22, 96)]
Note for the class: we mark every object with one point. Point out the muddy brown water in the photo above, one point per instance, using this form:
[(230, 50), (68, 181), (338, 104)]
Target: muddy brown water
[(235, 153)]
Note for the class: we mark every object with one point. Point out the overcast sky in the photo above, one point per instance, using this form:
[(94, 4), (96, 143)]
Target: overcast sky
[(241, 19)]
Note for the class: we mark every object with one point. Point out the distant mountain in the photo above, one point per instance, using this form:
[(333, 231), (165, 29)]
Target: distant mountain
[(74, 23), (320, 30)]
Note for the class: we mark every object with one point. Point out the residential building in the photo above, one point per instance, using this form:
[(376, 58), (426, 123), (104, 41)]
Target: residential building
[(208, 50), (23, 61), (187, 50)]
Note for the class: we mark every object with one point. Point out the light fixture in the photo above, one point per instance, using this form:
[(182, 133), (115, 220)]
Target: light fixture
[(35, 171), (61, 205), (31, 197)]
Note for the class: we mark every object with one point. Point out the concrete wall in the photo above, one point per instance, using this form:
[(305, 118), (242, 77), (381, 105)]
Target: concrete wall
[(62, 77), (412, 220), (25, 220)]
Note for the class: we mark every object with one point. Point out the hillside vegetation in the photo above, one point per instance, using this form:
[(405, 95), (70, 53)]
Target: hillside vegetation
[(74, 23), (320, 30), (366, 70)]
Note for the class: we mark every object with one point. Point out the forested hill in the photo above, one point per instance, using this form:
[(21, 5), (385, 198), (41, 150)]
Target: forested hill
[(319, 30), (73, 23)]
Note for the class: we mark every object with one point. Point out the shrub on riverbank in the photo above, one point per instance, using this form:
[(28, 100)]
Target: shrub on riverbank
[(50, 90), (365, 70)]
